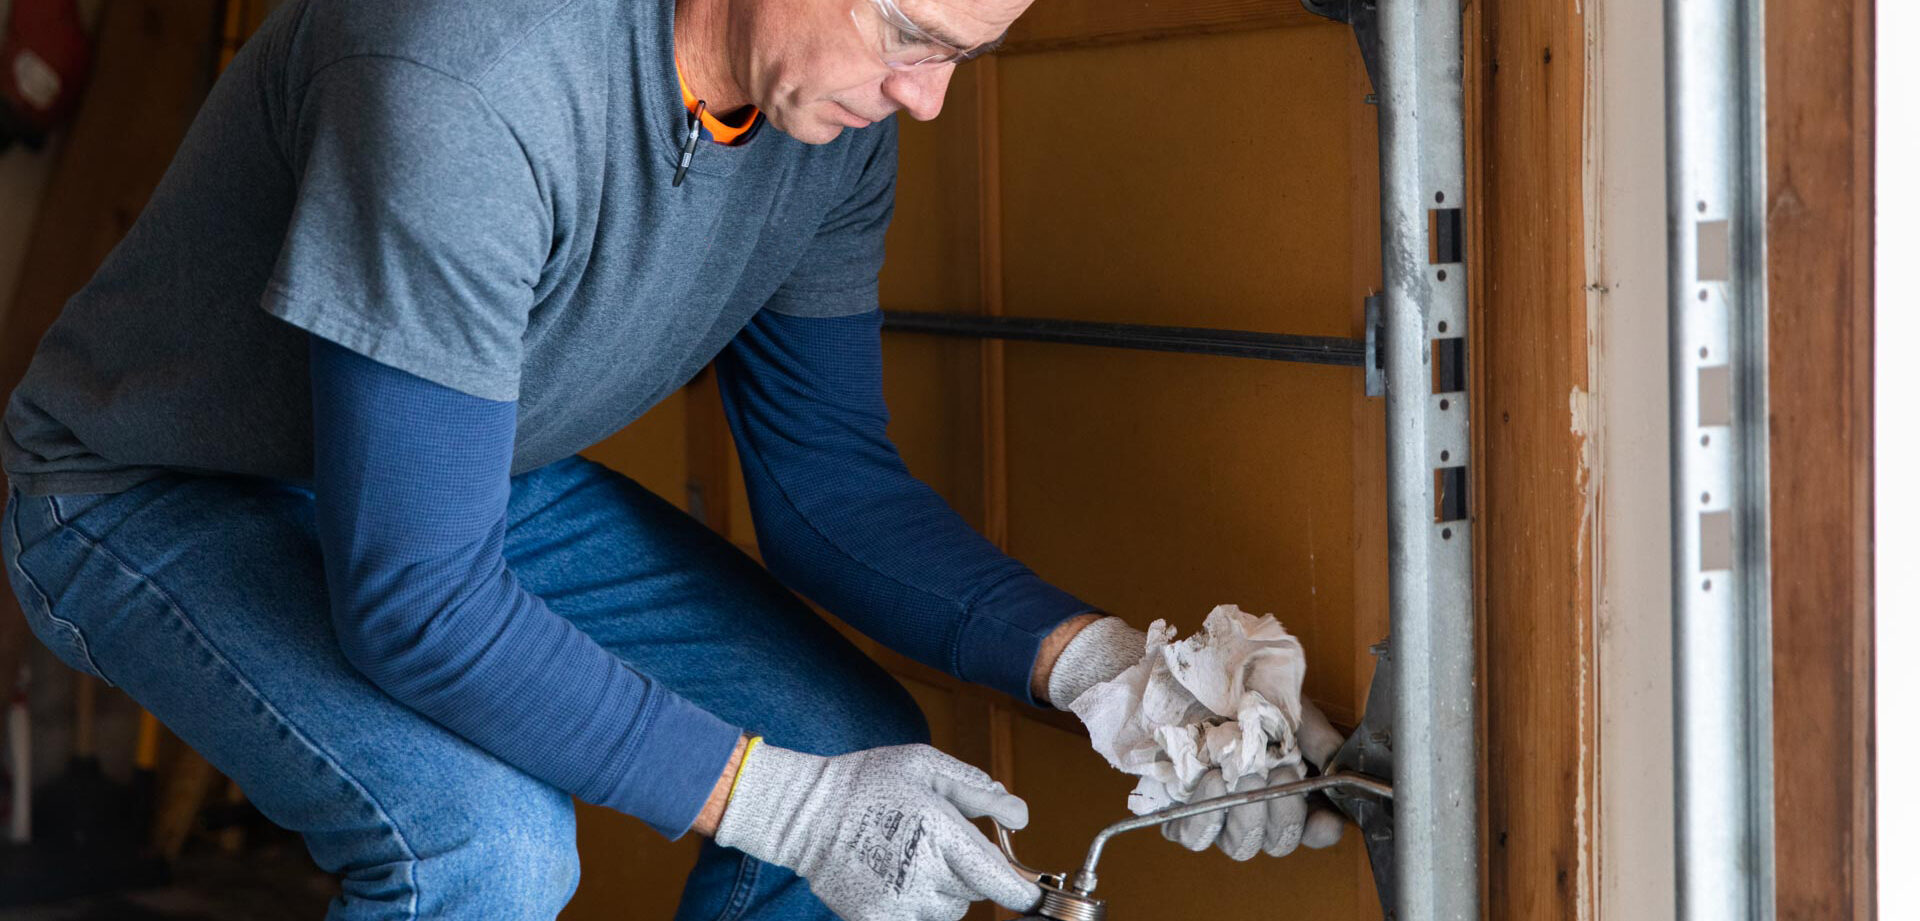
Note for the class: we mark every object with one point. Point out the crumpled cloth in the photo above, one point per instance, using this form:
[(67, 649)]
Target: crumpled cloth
[(1226, 697)]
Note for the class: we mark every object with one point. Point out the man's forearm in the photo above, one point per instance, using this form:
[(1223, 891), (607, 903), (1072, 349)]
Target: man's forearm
[(842, 521), (1050, 648), (410, 496), (709, 820)]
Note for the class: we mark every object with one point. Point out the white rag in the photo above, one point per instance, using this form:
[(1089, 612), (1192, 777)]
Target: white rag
[(1226, 697)]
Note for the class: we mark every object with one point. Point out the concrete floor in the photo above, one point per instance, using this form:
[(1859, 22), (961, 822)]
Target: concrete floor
[(270, 880), (273, 880)]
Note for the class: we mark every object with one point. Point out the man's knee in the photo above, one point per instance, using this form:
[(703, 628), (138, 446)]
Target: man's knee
[(541, 862), (489, 851), (522, 844)]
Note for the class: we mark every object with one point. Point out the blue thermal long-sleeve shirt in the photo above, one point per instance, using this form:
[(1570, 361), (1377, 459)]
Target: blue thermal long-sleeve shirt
[(411, 489), (841, 520), (411, 484)]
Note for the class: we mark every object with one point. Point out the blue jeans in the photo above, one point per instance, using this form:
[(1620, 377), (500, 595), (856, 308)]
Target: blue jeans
[(203, 598)]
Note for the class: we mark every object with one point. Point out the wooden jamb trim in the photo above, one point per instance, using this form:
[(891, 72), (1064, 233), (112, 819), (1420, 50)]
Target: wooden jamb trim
[(1525, 73), (1820, 129)]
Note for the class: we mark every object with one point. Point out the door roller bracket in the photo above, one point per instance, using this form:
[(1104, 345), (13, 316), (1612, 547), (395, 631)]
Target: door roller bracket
[(1369, 752), (1363, 16)]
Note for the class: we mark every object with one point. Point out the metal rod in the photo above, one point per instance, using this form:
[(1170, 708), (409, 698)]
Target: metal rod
[(1717, 320), (1230, 343), (1423, 186), (1084, 880), (1005, 837)]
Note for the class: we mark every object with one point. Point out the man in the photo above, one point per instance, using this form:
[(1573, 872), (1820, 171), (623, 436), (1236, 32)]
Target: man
[(296, 469)]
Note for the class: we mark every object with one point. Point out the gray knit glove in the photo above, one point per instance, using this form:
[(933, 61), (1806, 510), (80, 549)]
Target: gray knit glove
[(1109, 646), (880, 834), (1097, 654), (1275, 826)]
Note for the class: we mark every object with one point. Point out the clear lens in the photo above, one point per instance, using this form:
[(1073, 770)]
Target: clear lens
[(896, 39)]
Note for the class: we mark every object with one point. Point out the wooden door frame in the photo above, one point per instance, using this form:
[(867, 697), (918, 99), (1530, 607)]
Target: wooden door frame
[(1820, 98), (1527, 90)]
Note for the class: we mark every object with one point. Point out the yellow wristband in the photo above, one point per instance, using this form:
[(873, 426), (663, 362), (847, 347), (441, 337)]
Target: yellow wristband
[(742, 769)]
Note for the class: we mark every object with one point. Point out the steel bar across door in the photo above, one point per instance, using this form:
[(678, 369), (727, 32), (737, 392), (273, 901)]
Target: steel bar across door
[(1225, 343), (1717, 328), (1429, 546)]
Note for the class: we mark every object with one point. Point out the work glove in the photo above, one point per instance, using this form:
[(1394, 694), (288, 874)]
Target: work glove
[(1109, 646), (1275, 826), (881, 834), (1096, 655)]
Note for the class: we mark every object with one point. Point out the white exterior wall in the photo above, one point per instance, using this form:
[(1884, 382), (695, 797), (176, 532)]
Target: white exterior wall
[(1628, 447)]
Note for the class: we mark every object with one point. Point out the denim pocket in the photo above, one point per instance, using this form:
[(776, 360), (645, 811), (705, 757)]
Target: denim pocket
[(62, 636)]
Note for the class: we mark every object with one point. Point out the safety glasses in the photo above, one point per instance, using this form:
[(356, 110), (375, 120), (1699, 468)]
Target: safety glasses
[(904, 45)]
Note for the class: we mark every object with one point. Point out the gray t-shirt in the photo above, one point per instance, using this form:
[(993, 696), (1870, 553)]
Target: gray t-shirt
[(477, 193)]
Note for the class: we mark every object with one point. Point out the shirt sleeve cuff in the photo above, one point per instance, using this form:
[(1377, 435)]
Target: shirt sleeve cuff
[(673, 767), (1000, 640)]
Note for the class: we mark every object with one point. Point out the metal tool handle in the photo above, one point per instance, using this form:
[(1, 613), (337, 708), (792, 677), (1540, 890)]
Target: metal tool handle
[(1084, 880), (1005, 835)]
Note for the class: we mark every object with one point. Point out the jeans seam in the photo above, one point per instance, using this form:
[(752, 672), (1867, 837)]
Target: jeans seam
[(74, 637), (53, 512), (71, 524), (293, 731), (742, 888)]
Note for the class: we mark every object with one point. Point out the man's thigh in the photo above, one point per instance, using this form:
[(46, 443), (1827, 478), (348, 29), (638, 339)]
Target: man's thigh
[(204, 599), (683, 605)]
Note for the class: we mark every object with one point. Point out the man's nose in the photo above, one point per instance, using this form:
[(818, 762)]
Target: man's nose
[(919, 91)]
